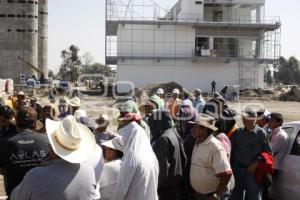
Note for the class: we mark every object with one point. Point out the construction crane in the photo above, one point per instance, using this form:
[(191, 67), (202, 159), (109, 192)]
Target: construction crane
[(28, 64)]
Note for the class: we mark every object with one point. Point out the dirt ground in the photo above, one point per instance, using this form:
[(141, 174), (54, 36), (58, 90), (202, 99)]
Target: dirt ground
[(95, 105)]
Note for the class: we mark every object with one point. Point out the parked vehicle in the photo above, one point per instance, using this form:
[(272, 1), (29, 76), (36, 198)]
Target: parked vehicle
[(287, 185), (65, 85), (32, 83)]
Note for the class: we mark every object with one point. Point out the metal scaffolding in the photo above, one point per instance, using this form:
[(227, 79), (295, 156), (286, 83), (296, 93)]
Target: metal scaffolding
[(222, 34)]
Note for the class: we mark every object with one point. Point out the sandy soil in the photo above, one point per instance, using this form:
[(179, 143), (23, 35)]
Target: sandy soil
[(95, 105)]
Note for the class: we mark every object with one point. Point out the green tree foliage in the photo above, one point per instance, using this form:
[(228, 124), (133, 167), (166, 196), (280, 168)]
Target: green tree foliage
[(288, 72), (98, 68), (50, 73), (71, 65)]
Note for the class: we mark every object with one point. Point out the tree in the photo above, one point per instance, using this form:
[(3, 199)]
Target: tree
[(288, 71), (50, 73), (98, 68), (70, 67)]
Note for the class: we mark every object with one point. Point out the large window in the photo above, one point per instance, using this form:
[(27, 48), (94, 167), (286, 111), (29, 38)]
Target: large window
[(296, 146), (226, 47), (202, 45)]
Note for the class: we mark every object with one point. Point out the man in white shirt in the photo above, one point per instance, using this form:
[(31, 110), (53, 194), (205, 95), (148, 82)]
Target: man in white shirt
[(278, 140)]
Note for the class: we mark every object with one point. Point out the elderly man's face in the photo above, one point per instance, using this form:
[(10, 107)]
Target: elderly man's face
[(249, 122), (199, 132)]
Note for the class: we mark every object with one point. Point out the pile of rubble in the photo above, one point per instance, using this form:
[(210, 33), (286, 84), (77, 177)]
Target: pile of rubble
[(255, 92), (292, 95), (167, 87)]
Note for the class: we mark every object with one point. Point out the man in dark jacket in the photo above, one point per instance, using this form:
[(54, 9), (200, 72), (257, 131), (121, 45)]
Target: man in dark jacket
[(168, 147), (247, 146), (23, 151)]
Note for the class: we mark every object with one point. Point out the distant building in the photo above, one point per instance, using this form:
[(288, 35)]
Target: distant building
[(23, 33), (193, 43)]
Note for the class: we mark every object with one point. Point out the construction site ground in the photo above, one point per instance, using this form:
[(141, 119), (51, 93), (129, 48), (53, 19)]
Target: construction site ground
[(94, 105)]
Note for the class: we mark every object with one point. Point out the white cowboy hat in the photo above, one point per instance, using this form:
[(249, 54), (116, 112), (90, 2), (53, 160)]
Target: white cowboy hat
[(21, 93), (116, 143), (205, 121), (75, 102), (80, 113), (70, 140)]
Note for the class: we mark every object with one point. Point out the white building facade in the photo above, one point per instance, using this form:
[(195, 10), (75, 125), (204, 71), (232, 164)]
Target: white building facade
[(194, 43)]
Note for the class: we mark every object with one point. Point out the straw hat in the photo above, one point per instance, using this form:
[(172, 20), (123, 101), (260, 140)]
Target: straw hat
[(116, 144), (249, 113), (75, 102), (205, 121), (20, 93), (80, 113), (198, 91), (70, 140), (103, 118)]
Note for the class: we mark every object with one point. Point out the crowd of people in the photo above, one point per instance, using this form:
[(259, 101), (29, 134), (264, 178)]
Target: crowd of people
[(177, 148)]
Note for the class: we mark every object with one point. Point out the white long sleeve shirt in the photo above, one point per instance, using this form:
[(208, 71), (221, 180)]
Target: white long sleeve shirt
[(279, 144)]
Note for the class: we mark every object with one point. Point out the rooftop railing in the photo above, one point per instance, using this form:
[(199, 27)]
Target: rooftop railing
[(203, 19)]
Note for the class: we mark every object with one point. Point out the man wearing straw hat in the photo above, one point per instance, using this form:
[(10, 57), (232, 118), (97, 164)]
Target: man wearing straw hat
[(210, 169), (66, 178)]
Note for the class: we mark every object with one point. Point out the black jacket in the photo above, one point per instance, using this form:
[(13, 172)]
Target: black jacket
[(168, 147)]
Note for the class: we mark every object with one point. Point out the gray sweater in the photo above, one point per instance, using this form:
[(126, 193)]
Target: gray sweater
[(59, 180)]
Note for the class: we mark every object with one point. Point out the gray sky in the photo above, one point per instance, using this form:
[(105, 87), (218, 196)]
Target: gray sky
[(81, 22)]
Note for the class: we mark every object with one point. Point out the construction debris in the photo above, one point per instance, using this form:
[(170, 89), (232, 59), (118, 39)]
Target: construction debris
[(168, 88), (292, 95)]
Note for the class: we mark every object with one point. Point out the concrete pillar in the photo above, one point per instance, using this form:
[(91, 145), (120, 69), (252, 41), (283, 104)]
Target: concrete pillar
[(43, 37), (258, 14), (211, 43)]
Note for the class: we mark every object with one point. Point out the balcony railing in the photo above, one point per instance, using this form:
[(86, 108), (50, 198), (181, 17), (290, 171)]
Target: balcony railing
[(231, 19)]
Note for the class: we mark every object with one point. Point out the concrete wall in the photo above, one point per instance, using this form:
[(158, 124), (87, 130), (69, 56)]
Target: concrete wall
[(18, 37), (155, 40), (189, 74), (191, 10)]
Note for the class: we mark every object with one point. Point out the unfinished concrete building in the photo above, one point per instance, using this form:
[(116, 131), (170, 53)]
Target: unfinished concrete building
[(23, 33), (193, 43)]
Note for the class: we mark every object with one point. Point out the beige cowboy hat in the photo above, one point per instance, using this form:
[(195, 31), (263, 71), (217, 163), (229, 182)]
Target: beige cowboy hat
[(75, 102), (21, 93), (70, 140), (205, 121)]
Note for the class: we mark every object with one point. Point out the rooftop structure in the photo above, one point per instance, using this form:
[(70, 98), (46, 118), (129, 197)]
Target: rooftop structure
[(192, 43)]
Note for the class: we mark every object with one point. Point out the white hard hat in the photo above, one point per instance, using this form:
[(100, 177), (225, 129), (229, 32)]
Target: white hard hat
[(175, 91), (160, 91)]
